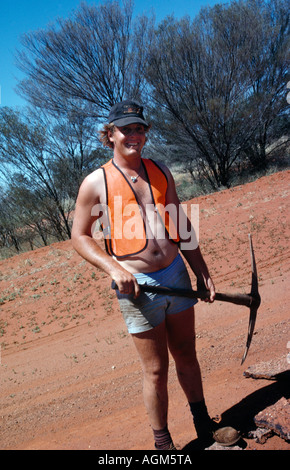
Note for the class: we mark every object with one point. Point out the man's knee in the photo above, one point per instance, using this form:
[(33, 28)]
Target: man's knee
[(156, 374), (184, 351)]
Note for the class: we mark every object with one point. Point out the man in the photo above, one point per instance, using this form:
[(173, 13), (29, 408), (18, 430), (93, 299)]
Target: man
[(157, 323)]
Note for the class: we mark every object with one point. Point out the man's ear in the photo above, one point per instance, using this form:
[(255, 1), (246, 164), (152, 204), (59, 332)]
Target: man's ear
[(111, 137)]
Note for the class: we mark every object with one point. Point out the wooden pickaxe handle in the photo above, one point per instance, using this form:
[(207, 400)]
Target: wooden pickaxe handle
[(238, 299)]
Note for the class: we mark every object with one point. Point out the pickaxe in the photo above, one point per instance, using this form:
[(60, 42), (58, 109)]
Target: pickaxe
[(251, 300)]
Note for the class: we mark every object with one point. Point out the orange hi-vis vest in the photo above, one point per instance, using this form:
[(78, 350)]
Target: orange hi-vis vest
[(124, 227)]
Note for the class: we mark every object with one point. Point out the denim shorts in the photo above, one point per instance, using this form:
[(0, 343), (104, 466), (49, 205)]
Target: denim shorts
[(149, 309)]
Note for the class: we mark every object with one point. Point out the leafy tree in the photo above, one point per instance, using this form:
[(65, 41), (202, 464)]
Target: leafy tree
[(43, 162), (267, 64), (221, 83), (97, 56), (215, 85)]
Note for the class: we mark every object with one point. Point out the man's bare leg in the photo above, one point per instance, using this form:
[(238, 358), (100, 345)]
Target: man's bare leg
[(152, 348), (181, 341), (153, 352)]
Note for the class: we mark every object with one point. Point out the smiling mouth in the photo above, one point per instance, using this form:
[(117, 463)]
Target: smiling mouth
[(132, 144)]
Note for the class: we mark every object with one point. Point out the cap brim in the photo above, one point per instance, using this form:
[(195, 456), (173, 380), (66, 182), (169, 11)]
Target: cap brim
[(129, 120)]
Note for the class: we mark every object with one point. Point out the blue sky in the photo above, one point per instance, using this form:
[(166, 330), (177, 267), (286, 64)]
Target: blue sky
[(20, 16)]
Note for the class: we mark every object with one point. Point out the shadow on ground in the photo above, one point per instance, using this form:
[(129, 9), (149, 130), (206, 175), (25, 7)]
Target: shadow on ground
[(241, 416)]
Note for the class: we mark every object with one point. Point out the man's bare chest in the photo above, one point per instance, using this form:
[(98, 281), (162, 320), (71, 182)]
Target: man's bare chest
[(143, 193)]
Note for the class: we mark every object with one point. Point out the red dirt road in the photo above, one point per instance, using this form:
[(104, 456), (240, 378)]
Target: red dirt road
[(69, 374)]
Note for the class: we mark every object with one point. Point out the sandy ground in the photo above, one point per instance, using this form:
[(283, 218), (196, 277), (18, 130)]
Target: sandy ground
[(69, 374)]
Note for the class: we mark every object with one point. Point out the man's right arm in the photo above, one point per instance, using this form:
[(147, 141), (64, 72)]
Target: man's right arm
[(84, 243)]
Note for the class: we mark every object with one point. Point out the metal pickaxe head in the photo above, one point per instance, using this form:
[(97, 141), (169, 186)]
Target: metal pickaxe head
[(256, 301)]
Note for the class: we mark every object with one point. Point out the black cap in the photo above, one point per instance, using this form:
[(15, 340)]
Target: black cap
[(127, 112)]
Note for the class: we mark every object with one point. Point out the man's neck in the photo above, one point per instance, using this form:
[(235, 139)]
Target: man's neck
[(133, 163)]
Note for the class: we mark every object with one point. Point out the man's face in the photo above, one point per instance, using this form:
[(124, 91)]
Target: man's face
[(128, 140)]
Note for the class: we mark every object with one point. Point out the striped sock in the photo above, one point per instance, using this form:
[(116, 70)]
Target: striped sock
[(162, 438)]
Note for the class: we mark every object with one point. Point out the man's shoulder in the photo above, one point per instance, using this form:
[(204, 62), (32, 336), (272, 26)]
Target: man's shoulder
[(94, 177), (92, 185)]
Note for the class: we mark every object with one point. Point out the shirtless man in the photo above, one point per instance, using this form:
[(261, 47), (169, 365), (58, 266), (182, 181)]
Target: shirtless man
[(157, 323)]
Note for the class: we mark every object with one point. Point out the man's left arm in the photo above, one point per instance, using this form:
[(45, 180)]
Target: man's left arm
[(193, 256)]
